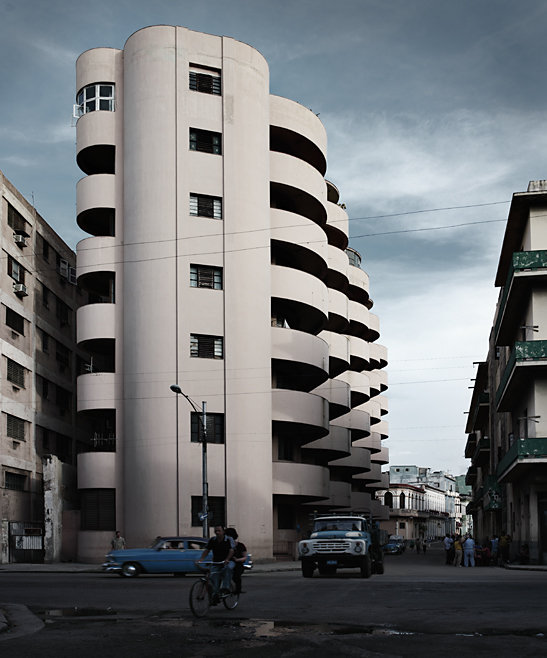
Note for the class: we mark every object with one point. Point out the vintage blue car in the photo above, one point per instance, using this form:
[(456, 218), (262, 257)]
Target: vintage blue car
[(393, 548), (176, 555)]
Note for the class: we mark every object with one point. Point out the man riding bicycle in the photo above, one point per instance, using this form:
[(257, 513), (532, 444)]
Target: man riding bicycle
[(223, 548)]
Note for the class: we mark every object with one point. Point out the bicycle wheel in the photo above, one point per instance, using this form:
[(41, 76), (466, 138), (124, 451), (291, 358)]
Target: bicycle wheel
[(232, 599), (199, 598)]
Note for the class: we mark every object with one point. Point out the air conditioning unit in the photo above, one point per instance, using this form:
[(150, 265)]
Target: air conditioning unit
[(20, 289), (19, 240)]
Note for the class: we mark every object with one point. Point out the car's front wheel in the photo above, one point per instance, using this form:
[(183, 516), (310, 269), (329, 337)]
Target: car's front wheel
[(131, 570)]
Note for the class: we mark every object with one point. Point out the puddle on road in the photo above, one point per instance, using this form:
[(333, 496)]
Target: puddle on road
[(77, 612), (268, 628)]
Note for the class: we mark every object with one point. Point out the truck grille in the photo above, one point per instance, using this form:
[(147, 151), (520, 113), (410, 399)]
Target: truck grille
[(329, 546)]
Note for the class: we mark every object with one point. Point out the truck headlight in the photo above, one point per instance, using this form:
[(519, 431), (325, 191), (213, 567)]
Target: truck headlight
[(358, 548), (305, 549)]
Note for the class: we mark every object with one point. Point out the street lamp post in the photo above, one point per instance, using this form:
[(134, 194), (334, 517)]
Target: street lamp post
[(202, 418)]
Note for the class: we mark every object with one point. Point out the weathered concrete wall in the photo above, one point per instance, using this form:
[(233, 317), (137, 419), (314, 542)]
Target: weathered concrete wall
[(4, 548), (53, 508), (69, 541)]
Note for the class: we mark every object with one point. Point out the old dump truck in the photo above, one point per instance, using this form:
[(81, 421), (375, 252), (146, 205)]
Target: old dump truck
[(339, 541)]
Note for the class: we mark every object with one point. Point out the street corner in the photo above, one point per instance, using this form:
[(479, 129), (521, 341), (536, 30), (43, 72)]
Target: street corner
[(17, 620)]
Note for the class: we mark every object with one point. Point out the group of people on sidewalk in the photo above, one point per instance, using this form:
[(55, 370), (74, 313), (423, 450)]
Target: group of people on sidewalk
[(492, 552)]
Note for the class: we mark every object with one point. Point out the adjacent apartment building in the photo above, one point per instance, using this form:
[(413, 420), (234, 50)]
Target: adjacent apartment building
[(218, 257), (39, 365), (507, 424)]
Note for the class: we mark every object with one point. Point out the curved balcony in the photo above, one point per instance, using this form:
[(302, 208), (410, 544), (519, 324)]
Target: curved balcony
[(338, 395), (337, 224), (374, 382), (98, 65), (381, 457), (98, 254), (372, 443), (308, 355), (379, 512), (95, 322), (378, 356), (359, 385), (383, 404), (310, 191), (302, 242), (382, 374), (306, 128), (299, 414), (358, 289), (359, 354), (300, 481), (97, 470), (335, 445), (360, 500), (337, 277), (97, 390), (95, 143), (339, 496), (372, 476), (304, 294), (357, 421), (357, 462), (338, 311), (359, 319), (338, 352), (373, 328), (372, 407), (96, 203), (382, 428)]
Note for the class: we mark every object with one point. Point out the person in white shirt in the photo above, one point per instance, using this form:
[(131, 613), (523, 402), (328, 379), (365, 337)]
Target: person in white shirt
[(448, 546), (468, 546)]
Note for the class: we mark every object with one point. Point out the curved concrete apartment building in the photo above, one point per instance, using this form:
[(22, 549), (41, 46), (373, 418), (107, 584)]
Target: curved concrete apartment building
[(218, 260)]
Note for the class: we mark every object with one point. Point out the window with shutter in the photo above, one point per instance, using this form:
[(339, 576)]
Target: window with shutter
[(215, 428), (205, 141), (15, 270), (202, 276), (205, 82), (16, 374), (202, 205), (98, 509), (206, 347), (15, 481), (16, 221), (15, 428), (15, 321), (217, 510)]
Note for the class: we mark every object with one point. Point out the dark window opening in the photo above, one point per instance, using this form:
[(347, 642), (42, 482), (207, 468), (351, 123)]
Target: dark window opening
[(206, 347), (16, 221), (16, 374), (15, 428), (285, 449), (63, 398), (207, 83), (202, 276), (63, 355), (205, 206), (63, 311), (205, 141), (98, 509), (15, 321), (214, 425), (15, 481), (286, 517), (217, 510), (15, 270)]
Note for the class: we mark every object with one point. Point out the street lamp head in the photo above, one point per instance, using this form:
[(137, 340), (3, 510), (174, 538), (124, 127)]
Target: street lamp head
[(176, 389)]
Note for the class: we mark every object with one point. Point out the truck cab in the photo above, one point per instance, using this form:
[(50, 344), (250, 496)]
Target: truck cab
[(342, 541)]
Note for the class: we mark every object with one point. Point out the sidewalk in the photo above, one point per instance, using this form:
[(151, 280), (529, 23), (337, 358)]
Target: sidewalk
[(73, 567)]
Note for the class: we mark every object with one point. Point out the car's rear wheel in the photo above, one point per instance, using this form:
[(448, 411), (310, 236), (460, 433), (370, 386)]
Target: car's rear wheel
[(131, 570)]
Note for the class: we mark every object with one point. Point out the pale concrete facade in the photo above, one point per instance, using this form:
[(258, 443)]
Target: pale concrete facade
[(218, 251), (507, 425)]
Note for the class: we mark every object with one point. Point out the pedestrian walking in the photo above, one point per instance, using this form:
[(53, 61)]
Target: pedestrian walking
[(424, 547), (118, 542), (418, 546), (469, 551)]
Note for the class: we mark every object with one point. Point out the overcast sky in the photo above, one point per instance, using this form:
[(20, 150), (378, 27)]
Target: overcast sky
[(429, 105)]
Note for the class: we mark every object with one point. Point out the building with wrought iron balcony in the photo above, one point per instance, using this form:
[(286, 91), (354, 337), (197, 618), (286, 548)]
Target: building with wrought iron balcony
[(218, 259)]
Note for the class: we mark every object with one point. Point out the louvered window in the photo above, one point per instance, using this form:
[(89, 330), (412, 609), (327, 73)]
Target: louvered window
[(217, 510), (205, 206), (207, 83), (15, 481), (98, 509), (215, 428), (63, 354), (16, 428), (16, 374), (202, 276), (206, 347), (63, 311), (15, 321), (45, 296), (205, 141), (15, 270), (45, 342), (16, 221)]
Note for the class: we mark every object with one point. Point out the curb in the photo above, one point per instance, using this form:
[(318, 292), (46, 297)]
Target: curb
[(21, 621), (3, 622)]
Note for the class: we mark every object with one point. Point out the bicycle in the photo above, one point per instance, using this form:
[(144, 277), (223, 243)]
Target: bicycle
[(203, 596)]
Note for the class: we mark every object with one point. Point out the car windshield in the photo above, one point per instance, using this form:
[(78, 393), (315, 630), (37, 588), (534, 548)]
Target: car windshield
[(156, 541), (345, 525)]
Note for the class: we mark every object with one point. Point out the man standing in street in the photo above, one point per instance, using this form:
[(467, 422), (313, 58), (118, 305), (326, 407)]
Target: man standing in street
[(469, 551), (118, 542), (448, 546)]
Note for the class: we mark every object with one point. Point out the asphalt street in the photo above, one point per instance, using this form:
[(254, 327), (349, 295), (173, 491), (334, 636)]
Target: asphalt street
[(418, 607)]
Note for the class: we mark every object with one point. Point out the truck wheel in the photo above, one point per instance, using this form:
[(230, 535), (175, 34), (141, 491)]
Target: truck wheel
[(366, 566), (379, 563), (307, 569)]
